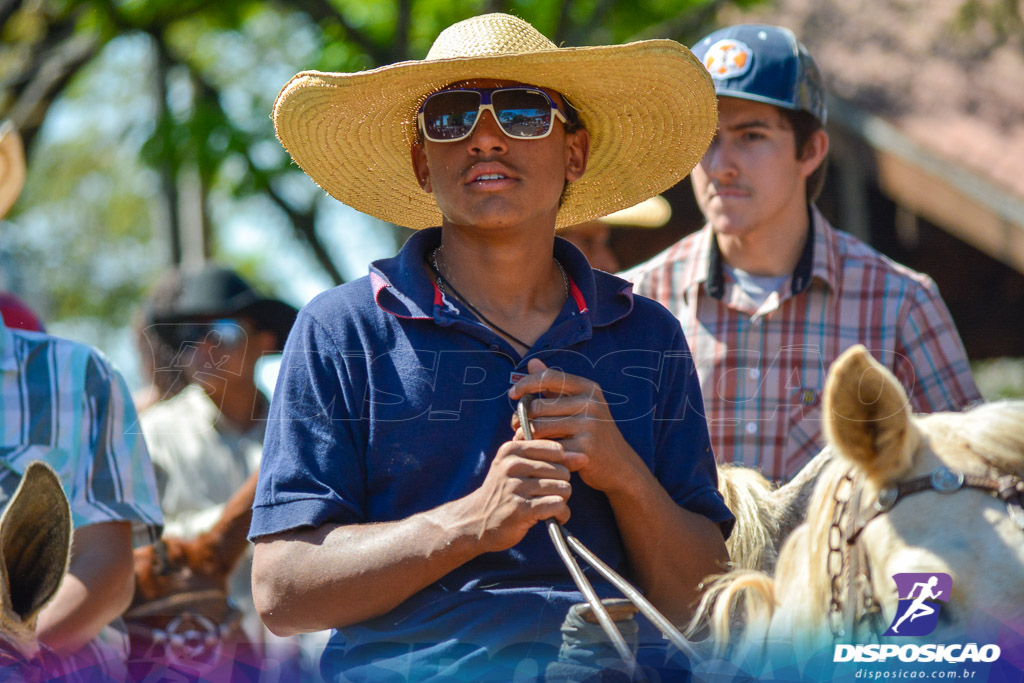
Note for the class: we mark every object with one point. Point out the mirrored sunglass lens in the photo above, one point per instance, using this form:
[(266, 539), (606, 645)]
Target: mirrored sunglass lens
[(227, 332), (450, 115), (522, 113)]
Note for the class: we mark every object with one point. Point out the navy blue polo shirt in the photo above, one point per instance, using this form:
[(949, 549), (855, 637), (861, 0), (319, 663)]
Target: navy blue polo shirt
[(392, 400)]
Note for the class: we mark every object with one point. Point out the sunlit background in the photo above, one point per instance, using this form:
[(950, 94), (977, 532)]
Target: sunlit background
[(149, 144)]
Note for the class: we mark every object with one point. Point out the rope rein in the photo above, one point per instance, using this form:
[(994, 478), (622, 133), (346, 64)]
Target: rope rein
[(563, 541)]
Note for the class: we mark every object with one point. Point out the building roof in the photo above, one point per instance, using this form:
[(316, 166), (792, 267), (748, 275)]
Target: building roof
[(946, 90)]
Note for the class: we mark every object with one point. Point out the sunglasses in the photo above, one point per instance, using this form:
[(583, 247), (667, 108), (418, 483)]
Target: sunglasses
[(522, 113), (223, 332)]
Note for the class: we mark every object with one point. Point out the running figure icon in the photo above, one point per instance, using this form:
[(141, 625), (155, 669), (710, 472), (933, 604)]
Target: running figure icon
[(919, 608)]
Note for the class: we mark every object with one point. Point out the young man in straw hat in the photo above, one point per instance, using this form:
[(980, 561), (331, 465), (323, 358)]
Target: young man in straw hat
[(398, 500), (61, 402), (769, 293)]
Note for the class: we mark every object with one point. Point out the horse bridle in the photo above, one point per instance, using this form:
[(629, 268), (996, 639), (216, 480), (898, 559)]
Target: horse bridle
[(852, 601), (189, 635)]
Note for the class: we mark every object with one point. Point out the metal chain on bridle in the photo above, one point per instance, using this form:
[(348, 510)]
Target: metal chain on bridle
[(852, 602), (563, 541)]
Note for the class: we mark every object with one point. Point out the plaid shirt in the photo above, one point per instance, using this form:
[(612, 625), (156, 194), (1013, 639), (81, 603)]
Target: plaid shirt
[(762, 370), (62, 403)]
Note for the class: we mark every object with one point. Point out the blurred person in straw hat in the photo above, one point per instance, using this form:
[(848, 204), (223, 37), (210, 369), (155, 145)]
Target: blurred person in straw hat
[(63, 403), (398, 500), (769, 293), (593, 237)]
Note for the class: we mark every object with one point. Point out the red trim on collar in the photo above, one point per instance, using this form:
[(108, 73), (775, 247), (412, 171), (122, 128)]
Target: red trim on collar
[(378, 284), (577, 295)]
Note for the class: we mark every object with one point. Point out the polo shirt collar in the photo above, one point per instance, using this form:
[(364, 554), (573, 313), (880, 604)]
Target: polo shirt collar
[(401, 287), (818, 259)]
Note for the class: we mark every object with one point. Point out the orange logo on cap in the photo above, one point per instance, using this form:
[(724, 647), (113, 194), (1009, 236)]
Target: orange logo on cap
[(728, 59)]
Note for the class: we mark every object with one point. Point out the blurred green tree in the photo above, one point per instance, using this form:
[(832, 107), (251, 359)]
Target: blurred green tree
[(148, 131)]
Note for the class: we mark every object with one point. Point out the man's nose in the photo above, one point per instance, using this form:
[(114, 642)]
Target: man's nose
[(718, 162), (488, 136)]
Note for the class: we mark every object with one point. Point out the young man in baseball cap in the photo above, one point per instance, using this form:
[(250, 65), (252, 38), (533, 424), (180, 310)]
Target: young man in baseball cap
[(769, 293), (398, 499)]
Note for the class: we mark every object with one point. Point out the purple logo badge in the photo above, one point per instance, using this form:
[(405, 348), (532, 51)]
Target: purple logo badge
[(918, 611)]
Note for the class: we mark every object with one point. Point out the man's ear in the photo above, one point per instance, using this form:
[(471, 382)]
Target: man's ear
[(420, 166), (814, 152), (577, 152)]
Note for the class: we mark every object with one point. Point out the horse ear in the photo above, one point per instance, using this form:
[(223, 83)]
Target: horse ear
[(35, 537), (868, 415)]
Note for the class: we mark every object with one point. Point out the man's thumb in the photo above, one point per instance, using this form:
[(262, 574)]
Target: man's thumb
[(535, 365)]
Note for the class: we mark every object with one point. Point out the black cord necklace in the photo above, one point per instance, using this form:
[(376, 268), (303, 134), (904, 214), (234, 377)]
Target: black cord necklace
[(443, 284)]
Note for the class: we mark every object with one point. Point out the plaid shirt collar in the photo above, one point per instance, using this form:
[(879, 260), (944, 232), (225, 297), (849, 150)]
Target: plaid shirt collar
[(818, 260)]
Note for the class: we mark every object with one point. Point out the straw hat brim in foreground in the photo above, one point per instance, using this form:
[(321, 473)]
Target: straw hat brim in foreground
[(649, 106), (12, 166)]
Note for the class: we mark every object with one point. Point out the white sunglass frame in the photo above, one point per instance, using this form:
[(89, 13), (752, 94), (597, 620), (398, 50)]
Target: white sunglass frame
[(485, 105)]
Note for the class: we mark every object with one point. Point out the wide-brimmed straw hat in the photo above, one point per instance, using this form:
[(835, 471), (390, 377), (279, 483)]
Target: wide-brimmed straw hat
[(12, 166), (649, 106)]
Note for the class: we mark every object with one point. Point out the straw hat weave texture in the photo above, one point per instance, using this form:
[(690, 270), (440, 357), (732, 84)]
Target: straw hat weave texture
[(649, 106)]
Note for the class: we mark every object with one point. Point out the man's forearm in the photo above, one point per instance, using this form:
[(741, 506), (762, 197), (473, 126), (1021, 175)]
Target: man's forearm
[(670, 549), (333, 576), (96, 590)]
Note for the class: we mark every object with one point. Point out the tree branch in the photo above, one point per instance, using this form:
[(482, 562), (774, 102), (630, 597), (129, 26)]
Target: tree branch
[(303, 223), (53, 73), (686, 25), (400, 48), (562, 27), (305, 228), (321, 10)]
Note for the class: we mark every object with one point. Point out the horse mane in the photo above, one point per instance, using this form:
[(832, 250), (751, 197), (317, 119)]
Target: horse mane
[(810, 561), (747, 494), (741, 596), (991, 431), (765, 514)]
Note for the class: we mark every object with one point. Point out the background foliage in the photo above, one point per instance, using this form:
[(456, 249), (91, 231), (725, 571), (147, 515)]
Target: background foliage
[(149, 139)]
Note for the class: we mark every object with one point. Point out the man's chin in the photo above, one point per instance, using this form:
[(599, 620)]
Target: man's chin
[(728, 227)]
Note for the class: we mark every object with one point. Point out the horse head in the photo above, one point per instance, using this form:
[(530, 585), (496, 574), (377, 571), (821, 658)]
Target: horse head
[(902, 494), (937, 494), (35, 538)]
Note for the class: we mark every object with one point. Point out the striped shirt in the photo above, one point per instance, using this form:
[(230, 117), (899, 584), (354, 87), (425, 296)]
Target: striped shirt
[(762, 368), (61, 402)]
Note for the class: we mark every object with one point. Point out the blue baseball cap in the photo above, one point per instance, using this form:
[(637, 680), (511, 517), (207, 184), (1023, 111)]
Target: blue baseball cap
[(765, 64)]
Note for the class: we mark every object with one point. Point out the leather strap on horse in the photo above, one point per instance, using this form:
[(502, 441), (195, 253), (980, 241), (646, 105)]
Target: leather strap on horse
[(852, 600), (1009, 488), (563, 540), (172, 604)]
